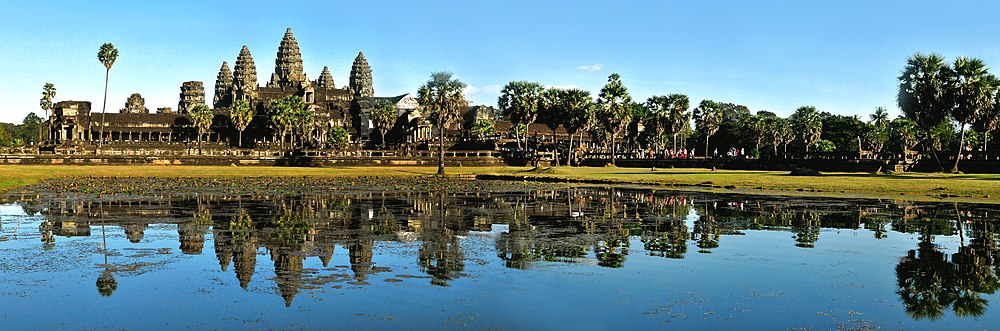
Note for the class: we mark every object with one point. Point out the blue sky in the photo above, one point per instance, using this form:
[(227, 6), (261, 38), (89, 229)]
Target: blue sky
[(840, 56)]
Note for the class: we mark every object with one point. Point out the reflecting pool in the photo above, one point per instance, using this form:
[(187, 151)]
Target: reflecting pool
[(302, 253)]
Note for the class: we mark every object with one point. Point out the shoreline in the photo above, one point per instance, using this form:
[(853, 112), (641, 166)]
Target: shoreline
[(921, 187)]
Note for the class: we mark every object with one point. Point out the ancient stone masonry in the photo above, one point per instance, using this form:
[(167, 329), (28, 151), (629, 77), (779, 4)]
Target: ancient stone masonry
[(223, 87), (245, 77), (135, 105), (361, 77), (192, 93), (325, 80), (288, 64), (346, 107)]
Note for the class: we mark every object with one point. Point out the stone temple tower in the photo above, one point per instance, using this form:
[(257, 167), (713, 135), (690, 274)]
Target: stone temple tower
[(245, 77), (192, 94), (361, 77), (325, 79), (288, 64), (223, 87)]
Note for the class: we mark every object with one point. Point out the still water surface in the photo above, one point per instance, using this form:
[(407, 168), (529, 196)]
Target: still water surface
[(500, 257)]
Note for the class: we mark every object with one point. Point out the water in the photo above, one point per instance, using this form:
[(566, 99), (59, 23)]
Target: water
[(490, 256)]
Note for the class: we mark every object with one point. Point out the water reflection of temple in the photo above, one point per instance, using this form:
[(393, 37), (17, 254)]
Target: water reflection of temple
[(560, 225)]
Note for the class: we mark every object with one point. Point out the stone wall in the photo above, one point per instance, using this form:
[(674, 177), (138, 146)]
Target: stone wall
[(301, 161)]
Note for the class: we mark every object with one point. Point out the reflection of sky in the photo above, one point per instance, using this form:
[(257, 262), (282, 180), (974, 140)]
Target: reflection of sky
[(758, 280)]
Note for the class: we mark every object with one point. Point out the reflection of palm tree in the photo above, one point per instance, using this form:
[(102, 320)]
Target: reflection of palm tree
[(806, 229), (920, 276), (611, 251), (440, 254), (516, 246), (929, 283), (106, 283), (706, 231)]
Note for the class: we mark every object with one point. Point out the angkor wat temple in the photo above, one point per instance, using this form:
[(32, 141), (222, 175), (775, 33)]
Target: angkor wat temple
[(75, 126)]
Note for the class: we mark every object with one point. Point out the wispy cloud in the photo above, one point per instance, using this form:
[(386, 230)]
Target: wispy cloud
[(473, 91), (482, 94), (591, 68)]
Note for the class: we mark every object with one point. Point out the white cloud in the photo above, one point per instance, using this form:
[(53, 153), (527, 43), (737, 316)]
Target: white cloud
[(482, 94), (591, 68), (473, 91)]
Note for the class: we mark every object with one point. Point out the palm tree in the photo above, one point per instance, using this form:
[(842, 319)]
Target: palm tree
[(988, 121), (657, 120), (808, 123), (971, 88), (287, 114), (303, 121), (202, 117), (519, 103), (922, 93), (707, 118), (241, 114), (578, 106), (442, 95), (48, 94), (107, 55), (614, 101), (383, 117), (880, 118), (679, 117), (551, 111)]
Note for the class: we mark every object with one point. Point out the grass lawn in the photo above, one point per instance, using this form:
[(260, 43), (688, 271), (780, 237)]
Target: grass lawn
[(909, 186)]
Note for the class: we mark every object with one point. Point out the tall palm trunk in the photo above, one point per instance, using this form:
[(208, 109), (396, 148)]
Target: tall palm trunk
[(440, 148), (199, 141), (100, 140), (961, 143), (555, 147), (706, 145), (241, 140), (569, 152), (613, 136)]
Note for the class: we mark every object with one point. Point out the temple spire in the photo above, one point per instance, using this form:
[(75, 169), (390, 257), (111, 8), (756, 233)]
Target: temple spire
[(361, 77), (245, 77), (288, 64), (325, 79), (223, 87)]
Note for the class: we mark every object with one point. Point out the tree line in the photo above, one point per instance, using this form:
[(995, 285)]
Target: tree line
[(664, 123)]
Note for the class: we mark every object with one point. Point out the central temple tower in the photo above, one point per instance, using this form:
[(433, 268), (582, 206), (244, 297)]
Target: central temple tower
[(288, 64)]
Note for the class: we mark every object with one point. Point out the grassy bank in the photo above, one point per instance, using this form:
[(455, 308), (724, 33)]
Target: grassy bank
[(909, 186)]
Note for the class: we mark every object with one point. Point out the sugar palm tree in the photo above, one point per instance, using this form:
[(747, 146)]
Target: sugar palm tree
[(48, 94), (615, 113), (808, 123), (442, 95), (202, 117), (383, 117), (922, 94), (678, 115), (241, 114), (551, 112), (107, 55), (578, 106), (518, 102), (971, 88), (707, 118)]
